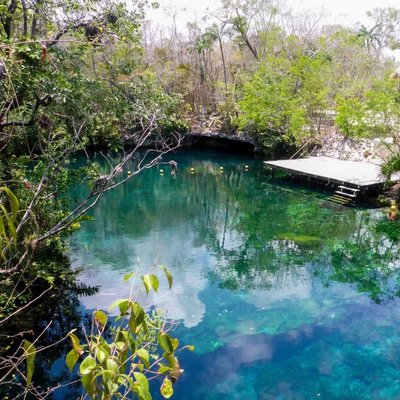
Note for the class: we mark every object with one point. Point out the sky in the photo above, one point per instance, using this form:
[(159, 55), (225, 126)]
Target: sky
[(344, 11)]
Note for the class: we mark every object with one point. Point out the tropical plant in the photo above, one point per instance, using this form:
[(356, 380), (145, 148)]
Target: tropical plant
[(121, 357)]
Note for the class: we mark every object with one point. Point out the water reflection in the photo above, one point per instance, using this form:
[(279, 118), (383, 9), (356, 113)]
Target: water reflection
[(283, 295)]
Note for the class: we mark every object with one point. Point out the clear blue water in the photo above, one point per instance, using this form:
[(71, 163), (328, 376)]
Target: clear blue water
[(283, 295)]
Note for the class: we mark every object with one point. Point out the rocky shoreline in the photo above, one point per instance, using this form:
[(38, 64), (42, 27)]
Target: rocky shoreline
[(335, 145)]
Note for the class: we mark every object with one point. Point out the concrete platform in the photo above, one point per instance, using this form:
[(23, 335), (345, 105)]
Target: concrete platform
[(350, 173)]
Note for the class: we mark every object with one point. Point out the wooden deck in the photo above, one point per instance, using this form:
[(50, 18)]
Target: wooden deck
[(350, 173)]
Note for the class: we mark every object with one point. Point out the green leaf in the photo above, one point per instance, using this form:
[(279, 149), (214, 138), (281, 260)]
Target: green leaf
[(175, 343), (138, 312), (137, 317), (150, 281), (88, 365), (163, 369), (104, 345), (123, 305), (120, 345), (142, 381), (173, 362), (87, 383), (100, 317), (112, 387), (144, 356), (171, 359), (112, 365), (168, 274), (10, 223), (75, 343), (164, 340), (14, 203), (126, 380), (2, 227), (128, 276), (71, 359), (30, 352), (166, 388), (101, 355)]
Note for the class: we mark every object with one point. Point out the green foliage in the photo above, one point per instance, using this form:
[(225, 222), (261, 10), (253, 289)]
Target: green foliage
[(95, 87), (121, 356), (8, 221), (30, 352), (83, 85), (391, 165), (281, 99), (376, 113)]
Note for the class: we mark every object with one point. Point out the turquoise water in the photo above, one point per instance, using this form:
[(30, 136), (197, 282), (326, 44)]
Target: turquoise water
[(283, 295)]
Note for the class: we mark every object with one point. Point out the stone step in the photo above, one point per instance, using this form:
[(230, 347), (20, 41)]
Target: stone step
[(336, 196), (340, 200)]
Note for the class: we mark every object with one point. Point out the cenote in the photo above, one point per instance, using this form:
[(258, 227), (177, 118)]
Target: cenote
[(284, 295)]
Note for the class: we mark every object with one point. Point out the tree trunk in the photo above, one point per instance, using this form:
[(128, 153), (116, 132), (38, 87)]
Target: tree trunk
[(8, 21), (221, 49)]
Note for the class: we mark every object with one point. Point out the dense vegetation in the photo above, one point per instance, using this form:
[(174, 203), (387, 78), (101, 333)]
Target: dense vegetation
[(71, 78), (81, 75), (279, 75)]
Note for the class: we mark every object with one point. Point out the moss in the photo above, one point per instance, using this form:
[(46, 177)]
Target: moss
[(301, 240)]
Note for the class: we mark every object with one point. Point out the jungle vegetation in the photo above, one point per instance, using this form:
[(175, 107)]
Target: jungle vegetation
[(89, 75)]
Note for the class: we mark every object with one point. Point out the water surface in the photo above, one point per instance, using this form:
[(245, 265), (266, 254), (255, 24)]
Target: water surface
[(284, 295)]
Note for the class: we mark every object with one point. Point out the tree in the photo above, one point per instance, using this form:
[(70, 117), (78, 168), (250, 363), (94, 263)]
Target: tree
[(66, 85), (251, 20), (375, 114), (386, 27), (283, 100)]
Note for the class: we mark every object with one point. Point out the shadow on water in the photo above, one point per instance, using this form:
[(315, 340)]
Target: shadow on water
[(50, 321)]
